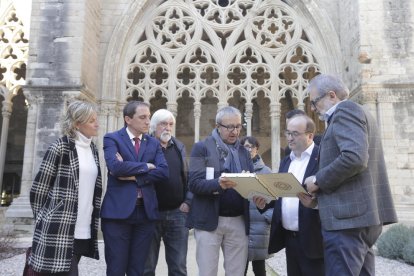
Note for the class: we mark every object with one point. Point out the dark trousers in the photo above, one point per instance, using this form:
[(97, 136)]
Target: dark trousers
[(258, 266), (127, 242), (298, 264), (349, 251), (172, 230)]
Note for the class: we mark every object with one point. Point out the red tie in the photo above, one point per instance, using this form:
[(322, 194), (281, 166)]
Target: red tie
[(137, 144)]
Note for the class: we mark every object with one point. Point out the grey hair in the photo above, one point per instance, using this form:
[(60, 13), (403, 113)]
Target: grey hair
[(324, 83), (227, 110), (78, 111), (159, 116)]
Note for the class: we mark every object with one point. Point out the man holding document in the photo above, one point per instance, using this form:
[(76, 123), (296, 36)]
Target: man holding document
[(294, 226), (354, 195), (219, 215)]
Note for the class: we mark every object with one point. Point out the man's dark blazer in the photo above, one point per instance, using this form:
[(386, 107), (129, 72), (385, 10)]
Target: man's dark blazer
[(310, 236), (204, 212), (121, 195)]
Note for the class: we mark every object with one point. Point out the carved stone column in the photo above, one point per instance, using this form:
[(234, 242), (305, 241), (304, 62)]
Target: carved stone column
[(369, 98), (117, 117), (301, 106), (275, 123), (221, 104), (6, 112), (197, 115), (172, 107), (109, 120), (248, 117), (20, 210)]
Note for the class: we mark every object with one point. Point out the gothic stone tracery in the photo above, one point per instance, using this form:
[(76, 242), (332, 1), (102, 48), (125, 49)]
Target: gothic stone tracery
[(246, 53)]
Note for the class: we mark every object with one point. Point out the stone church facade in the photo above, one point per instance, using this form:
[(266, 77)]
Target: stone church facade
[(193, 57)]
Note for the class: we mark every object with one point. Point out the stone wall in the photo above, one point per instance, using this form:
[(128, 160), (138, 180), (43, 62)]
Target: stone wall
[(387, 58), (55, 45), (376, 39), (91, 25), (111, 14)]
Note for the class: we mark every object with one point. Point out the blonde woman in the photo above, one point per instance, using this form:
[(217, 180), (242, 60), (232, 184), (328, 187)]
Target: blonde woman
[(66, 196)]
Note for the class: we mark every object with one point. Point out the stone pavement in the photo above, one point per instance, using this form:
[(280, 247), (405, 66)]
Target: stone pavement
[(90, 267), (275, 265)]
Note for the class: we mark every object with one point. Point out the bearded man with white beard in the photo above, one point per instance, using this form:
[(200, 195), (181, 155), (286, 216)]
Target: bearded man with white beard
[(174, 200)]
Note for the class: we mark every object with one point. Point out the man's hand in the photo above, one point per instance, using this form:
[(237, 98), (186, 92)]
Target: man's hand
[(226, 183), (119, 157), (307, 200), (132, 178), (310, 186), (259, 201), (150, 166), (184, 207)]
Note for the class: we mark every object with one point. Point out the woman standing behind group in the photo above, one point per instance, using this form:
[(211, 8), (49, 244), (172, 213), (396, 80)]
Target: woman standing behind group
[(259, 223), (66, 196)]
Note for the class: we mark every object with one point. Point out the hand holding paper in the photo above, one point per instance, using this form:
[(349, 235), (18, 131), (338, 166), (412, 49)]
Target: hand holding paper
[(259, 201), (269, 186), (226, 183)]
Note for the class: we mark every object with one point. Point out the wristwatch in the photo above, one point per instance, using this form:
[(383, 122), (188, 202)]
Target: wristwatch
[(314, 181)]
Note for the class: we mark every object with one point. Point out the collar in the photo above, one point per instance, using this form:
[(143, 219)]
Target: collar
[(82, 140), (170, 142), (256, 158), (331, 110), (132, 136), (307, 152)]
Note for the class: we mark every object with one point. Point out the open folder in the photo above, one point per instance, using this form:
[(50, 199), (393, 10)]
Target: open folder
[(269, 186)]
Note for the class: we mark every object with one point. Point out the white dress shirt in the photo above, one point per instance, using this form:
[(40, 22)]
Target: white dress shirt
[(290, 205), (132, 136)]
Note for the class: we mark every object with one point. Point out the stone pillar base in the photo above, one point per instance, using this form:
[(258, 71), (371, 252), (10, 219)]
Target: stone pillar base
[(19, 217)]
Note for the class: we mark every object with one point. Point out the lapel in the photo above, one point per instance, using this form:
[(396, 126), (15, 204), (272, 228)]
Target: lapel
[(285, 164), (313, 162), (127, 141), (142, 146)]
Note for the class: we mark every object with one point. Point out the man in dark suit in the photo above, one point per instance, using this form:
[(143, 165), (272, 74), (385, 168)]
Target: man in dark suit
[(135, 163), (294, 226), (351, 185)]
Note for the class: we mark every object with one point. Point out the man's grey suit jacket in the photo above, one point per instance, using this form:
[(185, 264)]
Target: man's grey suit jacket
[(352, 177)]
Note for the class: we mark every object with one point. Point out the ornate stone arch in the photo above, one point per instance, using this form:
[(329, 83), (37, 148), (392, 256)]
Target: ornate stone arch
[(14, 46), (13, 52), (205, 46)]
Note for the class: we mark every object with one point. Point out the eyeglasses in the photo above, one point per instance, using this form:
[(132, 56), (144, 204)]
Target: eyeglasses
[(230, 128), (249, 147), (294, 134), (317, 99)]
